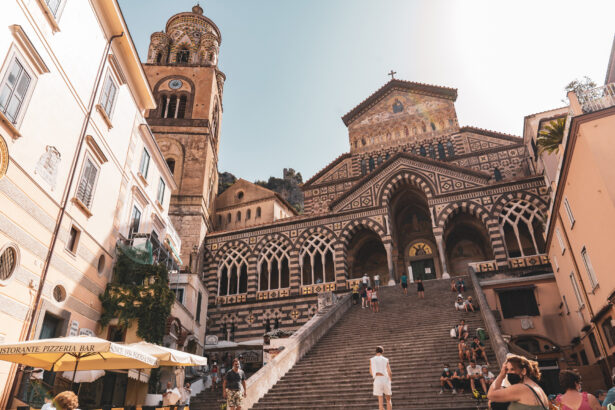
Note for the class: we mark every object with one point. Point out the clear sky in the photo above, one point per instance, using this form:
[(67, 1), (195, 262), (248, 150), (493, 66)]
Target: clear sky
[(293, 68)]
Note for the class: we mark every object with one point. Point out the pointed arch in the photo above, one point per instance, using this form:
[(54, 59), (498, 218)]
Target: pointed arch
[(390, 186), (354, 226)]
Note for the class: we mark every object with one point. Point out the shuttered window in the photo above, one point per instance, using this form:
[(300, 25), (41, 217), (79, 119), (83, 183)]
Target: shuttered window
[(87, 183), (144, 166), (107, 98), (13, 90)]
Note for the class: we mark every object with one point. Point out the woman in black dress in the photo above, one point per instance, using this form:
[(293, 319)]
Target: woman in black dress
[(420, 288)]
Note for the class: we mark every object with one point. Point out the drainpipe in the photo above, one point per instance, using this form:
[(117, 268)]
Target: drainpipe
[(64, 202)]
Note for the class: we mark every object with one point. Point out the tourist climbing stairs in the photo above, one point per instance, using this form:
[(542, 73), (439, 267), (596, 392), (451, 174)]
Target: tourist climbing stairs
[(415, 335)]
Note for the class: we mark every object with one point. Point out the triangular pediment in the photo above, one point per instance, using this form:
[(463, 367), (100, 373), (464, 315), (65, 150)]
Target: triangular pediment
[(433, 177)]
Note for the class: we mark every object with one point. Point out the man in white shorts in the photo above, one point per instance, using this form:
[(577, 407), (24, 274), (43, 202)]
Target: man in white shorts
[(381, 372)]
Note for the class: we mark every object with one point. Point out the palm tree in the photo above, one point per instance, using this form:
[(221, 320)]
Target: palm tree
[(551, 137)]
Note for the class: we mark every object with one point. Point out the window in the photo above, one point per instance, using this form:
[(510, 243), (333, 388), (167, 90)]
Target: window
[(219, 220), (53, 5), (594, 345), (179, 294), (233, 272), (107, 97), (422, 151), (199, 302), (316, 260), (101, 264), (135, 221), (441, 152), (273, 266), (583, 356), (363, 167), (558, 233), (8, 263), (238, 216), (518, 302), (183, 56), (521, 224), (589, 268), (228, 219), (87, 183), (450, 148), (258, 211), (607, 327), (13, 90), (248, 214), (432, 152), (372, 164), (240, 195), (171, 165), (73, 239), (161, 187), (569, 212), (497, 175), (555, 263), (181, 109), (159, 58), (577, 292), (144, 166)]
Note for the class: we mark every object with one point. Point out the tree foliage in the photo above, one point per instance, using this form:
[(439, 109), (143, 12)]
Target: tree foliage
[(579, 86), (138, 293), (551, 137)]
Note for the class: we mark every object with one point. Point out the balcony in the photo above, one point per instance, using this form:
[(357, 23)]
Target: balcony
[(597, 98), (153, 250)]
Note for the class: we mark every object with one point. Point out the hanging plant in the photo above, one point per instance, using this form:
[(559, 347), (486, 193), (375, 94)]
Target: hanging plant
[(138, 293)]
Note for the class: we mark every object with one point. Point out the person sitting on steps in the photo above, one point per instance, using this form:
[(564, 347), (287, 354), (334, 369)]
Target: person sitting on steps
[(468, 305), (460, 378), (460, 304), (464, 351), (475, 373), (446, 380), (462, 330), (478, 348)]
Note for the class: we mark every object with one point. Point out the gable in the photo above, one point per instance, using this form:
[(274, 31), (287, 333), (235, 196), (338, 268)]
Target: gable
[(435, 179), (251, 192), (400, 117), (337, 171)]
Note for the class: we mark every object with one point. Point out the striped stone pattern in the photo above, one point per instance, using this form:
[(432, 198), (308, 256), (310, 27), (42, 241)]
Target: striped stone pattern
[(250, 318), (404, 178)]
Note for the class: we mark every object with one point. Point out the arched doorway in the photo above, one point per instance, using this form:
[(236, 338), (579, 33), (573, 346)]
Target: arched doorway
[(420, 260), (466, 240), (366, 255), (415, 250)]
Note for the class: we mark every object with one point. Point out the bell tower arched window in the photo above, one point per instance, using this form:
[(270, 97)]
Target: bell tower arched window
[(181, 109), (441, 152), (171, 165), (159, 58), (183, 56), (172, 106)]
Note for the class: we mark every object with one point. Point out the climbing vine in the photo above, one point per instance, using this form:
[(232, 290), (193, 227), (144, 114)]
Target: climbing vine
[(139, 292)]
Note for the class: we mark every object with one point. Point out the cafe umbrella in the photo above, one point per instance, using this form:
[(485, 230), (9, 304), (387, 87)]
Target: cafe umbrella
[(76, 353)]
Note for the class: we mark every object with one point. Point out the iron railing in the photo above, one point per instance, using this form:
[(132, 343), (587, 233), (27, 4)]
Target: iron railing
[(159, 252), (597, 98)]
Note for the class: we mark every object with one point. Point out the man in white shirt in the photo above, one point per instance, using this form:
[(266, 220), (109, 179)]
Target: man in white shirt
[(476, 373), (365, 280), (381, 372)]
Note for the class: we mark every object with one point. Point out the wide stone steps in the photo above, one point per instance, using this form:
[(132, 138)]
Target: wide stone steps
[(334, 374), (415, 334)]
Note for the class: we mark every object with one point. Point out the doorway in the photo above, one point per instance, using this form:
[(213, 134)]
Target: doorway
[(423, 269)]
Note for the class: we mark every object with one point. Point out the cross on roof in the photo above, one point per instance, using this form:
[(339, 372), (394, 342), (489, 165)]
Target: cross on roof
[(392, 74)]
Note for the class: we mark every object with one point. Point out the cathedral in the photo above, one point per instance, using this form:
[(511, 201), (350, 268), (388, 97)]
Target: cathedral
[(416, 193)]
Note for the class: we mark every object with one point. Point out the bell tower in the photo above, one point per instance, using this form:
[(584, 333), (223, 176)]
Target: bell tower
[(182, 69)]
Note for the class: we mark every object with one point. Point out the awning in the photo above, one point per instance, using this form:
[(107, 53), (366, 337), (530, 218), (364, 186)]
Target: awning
[(174, 252)]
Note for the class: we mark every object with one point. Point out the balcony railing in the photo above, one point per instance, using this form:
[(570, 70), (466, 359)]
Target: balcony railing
[(597, 98), (160, 254)]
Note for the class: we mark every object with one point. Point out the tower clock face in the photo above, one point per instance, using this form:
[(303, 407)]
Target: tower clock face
[(175, 84)]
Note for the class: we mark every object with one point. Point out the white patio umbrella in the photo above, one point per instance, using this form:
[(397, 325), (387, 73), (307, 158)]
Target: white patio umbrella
[(75, 353), (169, 357), (84, 376)]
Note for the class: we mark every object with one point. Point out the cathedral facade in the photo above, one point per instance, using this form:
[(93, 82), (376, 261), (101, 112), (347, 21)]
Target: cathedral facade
[(416, 193)]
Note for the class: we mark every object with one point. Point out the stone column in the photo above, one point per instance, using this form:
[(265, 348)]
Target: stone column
[(392, 278), (440, 244)]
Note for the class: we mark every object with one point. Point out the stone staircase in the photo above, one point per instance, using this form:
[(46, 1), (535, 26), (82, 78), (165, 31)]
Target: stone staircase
[(415, 335)]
